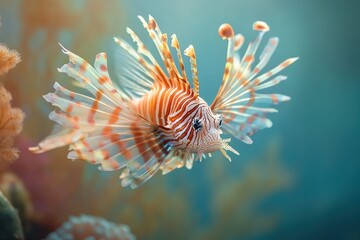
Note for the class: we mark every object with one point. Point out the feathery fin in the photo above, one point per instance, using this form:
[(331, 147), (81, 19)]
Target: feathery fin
[(102, 129), (243, 109)]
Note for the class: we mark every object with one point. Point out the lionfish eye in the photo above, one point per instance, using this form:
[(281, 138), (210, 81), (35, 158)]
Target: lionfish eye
[(197, 124), (220, 120)]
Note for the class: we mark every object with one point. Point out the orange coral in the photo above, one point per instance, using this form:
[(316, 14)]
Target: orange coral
[(10, 125), (7, 152), (10, 118), (8, 59)]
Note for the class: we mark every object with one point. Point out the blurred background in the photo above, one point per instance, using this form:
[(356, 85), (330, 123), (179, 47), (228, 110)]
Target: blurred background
[(298, 180)]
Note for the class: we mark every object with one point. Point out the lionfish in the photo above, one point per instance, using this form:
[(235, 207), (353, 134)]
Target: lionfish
[(152, 118)]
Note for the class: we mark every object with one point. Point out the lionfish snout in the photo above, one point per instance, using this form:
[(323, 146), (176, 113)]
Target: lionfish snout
[(215, 143), (212, 141)]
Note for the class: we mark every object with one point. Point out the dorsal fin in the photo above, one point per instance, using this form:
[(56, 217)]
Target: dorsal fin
[(138, 70)]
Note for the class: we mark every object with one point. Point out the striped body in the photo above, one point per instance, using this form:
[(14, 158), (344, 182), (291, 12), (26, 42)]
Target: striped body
[(176, 109), (160, 102), (151, 119)]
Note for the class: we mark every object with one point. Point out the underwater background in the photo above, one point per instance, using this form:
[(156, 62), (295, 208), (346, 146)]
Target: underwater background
[(298, 180)]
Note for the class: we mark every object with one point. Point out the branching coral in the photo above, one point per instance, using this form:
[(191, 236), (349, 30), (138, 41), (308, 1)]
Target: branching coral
[(10, 125), (8, 59), (10, 118), (7, 151)]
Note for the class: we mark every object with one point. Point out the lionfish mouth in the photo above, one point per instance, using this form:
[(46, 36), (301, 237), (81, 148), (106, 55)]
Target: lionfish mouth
[(221, 144)]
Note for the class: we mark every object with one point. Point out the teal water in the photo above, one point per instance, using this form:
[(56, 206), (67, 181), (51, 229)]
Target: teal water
[(314, 136)]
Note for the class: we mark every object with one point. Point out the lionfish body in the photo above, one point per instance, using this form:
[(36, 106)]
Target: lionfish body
[(152, 118)]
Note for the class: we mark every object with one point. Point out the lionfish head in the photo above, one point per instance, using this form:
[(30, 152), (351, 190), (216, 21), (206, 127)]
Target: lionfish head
[(200, 132), (208, 127)]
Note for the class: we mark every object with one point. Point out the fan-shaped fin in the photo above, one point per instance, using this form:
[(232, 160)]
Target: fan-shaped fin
[(138, 71), (243, 109), (102, 128)]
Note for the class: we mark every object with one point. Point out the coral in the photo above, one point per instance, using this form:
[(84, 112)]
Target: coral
[(10, 118), (89, 227), (7, 151), (10, 226), (8, 59), (91, 21), (10, 125), (147, 210), (14, 190)]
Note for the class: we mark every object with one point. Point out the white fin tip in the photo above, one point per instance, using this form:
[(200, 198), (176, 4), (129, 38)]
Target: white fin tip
[(189, 51)]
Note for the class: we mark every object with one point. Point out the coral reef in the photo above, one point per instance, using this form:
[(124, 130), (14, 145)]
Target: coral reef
[(91, 21), (10, 227), (10, 118), (89, 227)]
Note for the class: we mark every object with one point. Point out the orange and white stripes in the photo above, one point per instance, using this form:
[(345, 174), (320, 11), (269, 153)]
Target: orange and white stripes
[(238, 100), (151, 118)]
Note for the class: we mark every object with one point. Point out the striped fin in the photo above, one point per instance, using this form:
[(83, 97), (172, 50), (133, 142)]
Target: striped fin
[(59, 137), (177, 159), (138, 70), (98, 83), (135, 74), (243, 108), (101, 128)]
